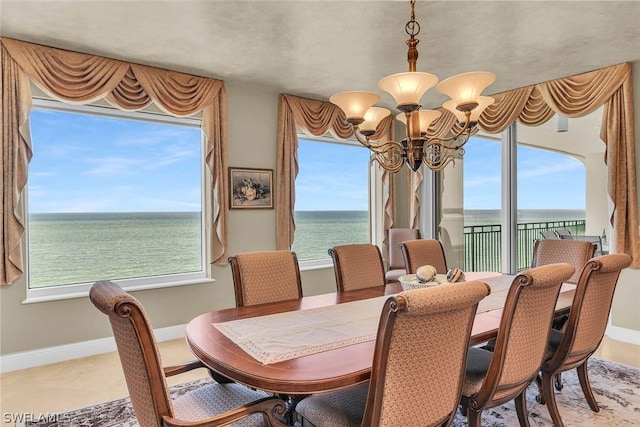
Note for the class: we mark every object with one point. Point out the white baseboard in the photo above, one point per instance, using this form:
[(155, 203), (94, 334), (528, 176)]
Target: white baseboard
[(44, 356), (623, 334)]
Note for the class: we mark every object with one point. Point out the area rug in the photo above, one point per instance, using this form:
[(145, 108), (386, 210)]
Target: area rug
[(616, 387)]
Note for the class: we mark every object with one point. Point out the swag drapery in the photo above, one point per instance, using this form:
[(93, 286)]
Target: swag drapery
[(81, 79), (315, 118), (575, 96)]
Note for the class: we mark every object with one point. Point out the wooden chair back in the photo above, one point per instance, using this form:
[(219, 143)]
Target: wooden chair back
[(416, 377), (421, 252), (552, 251), (522, 335), (266, 276), (357, 266), (395, 259), (210, 405), (589, 311), (138, 352), (583, 332)]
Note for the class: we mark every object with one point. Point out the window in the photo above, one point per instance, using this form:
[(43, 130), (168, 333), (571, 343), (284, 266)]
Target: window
[(332, 197), (112, 196), (482, 201), (551, 195), (514, 191)]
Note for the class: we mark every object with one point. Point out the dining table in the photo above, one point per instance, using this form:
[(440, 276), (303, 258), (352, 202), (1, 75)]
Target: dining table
[(322, 342)]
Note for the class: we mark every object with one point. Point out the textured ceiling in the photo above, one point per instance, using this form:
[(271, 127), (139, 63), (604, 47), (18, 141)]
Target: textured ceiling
[(317, 48)]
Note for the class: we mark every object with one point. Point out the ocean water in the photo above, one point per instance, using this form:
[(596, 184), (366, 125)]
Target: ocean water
[(68, 248), (317, 231)]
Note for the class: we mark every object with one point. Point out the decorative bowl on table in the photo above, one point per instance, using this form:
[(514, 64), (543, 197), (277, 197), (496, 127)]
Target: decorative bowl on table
[(410, 281)]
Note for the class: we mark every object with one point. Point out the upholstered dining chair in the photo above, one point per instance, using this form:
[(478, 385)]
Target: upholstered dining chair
[(415, 377), (210, 405), (395, 259), (357, 266), (573, 346), (266, 276), (574, 252), (493, 378), (421, 252)]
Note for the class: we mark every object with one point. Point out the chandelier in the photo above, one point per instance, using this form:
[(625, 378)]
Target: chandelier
[(417, 148)]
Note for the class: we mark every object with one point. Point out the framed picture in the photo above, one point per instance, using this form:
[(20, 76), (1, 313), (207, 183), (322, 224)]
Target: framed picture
[(250, 188)]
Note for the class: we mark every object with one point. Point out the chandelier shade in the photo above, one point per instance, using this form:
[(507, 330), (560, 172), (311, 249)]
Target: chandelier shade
[(465, 89), (424, 117), (407, 89), (372, 119), (355, 104), (483, 103)]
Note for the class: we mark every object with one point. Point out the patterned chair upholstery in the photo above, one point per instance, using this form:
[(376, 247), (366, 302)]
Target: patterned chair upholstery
[(493, 378), (574, 252), (415, 377), (357, 266), (264, 277), (583, 332), (212, 404), (421, 252), (395, 259)]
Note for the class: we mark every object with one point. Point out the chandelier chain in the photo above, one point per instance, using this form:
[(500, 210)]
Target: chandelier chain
[(412, 27)]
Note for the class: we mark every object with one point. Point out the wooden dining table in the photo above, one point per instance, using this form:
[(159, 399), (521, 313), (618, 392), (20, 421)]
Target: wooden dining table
[(326, 370)]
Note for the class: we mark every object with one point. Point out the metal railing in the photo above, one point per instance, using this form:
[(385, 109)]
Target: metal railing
[(483, 249)]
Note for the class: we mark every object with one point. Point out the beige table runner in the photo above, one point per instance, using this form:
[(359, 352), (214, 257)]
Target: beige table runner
[(284, 336)]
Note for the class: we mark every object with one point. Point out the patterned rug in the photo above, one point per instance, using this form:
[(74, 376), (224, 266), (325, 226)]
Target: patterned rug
[(616, 387)]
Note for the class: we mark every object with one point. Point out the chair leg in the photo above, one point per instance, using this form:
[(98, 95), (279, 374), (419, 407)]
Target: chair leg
[(550, 399), (558, 381), (521, 408), (540, 396), (583, 376), (474, 419)]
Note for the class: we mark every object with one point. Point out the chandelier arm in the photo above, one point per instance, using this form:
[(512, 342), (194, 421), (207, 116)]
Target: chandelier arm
[(389, 155), (361, 140), (465, 132), (437, 156)]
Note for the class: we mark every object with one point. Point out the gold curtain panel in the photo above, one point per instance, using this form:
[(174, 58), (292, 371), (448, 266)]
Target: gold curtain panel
[(80, 78)]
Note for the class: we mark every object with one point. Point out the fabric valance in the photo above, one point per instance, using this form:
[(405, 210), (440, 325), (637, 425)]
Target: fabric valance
[(80, 78), (314, 118), (578, 96)]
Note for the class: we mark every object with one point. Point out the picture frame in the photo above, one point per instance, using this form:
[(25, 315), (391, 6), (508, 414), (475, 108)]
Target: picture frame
[(250, 188)]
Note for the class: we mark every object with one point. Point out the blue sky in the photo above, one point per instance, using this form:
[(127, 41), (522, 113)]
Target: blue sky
[(546, 180), (85, 163)]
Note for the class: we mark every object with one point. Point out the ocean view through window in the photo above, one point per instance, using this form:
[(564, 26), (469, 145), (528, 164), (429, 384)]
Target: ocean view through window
[(332, 197), (113, 197), (550, 195)]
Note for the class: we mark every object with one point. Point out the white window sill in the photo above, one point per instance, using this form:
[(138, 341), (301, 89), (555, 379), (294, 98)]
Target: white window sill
[(315, 264), (83, 290)]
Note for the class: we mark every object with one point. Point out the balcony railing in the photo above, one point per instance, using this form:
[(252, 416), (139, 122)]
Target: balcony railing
[(483, 249)]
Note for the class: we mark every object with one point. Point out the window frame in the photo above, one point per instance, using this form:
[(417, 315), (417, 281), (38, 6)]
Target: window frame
[(78, 290), (374, 197)]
